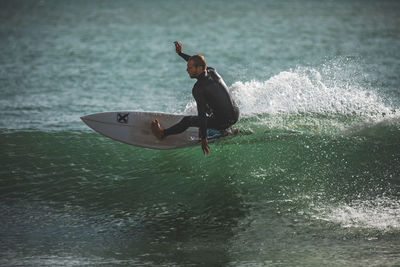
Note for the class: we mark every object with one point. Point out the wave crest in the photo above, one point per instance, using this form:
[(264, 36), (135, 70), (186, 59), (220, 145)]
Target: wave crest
[(307, 90)]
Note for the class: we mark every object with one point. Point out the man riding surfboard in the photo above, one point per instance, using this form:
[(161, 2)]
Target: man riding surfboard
[(215, 107)]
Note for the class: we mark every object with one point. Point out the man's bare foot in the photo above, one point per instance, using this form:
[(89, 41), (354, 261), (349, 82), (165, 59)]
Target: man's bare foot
[(157, 130)]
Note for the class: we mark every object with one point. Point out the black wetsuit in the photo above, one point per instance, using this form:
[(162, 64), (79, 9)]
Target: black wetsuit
[(215, 106)]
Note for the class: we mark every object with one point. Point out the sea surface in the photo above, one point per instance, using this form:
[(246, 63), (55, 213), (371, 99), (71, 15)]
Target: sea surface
[(312, 179)]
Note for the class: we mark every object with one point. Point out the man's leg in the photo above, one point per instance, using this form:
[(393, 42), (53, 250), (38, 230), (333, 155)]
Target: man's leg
[(214, 123), (180, 127), (222, 123), (186, 122)]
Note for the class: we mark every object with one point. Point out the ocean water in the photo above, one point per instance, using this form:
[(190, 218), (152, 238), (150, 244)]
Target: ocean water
[(312, 179)]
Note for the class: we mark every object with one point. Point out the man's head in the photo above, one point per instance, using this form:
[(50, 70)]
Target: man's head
[(196, 65)]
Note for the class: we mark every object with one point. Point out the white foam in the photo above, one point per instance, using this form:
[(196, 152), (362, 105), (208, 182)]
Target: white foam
[(306, 90), (191, 108), (338, 87), (380, 214)]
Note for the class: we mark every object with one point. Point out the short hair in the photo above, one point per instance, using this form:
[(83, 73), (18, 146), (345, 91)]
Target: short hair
[(199, 60)]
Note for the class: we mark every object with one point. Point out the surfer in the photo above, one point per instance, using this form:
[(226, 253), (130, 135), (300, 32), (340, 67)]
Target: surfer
[(215, 107)]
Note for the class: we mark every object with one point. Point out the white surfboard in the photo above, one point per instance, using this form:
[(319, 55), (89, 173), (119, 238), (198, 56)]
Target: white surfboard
[(134, 128)]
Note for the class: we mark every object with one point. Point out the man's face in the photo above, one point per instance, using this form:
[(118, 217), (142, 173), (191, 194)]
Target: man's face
[(193, 70)]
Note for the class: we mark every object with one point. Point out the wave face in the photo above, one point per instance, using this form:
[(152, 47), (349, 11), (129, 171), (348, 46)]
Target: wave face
[(74, 195), (313, 177)]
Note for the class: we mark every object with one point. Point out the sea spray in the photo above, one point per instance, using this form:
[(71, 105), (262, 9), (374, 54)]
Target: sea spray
[(306, 90), (334, 98), (331, 89), (381, 213)]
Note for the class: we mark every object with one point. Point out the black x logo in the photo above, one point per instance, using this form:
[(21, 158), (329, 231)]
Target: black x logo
[(122, 118)]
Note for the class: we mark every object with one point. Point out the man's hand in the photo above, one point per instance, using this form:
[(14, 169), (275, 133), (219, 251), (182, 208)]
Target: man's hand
[(178, 47), (204, 146)]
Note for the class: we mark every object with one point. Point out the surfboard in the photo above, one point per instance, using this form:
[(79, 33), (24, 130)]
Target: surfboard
[(134, 128)]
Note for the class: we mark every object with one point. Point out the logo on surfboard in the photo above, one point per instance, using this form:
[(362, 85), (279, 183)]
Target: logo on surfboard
[(122, 117)]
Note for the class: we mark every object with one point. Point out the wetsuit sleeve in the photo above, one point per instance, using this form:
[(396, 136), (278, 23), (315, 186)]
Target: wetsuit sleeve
[(201, 111), (184, 56)]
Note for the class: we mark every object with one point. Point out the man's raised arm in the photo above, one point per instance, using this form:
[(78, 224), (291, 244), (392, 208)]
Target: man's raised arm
[(178, 49)]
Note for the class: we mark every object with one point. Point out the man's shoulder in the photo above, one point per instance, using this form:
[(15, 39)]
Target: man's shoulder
[(211, 70), (213, 74)]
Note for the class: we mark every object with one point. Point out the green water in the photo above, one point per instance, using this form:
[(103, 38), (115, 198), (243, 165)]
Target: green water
[(312, 179)]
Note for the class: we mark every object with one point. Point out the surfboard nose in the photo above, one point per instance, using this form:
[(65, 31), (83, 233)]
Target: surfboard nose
[(84, 117)]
